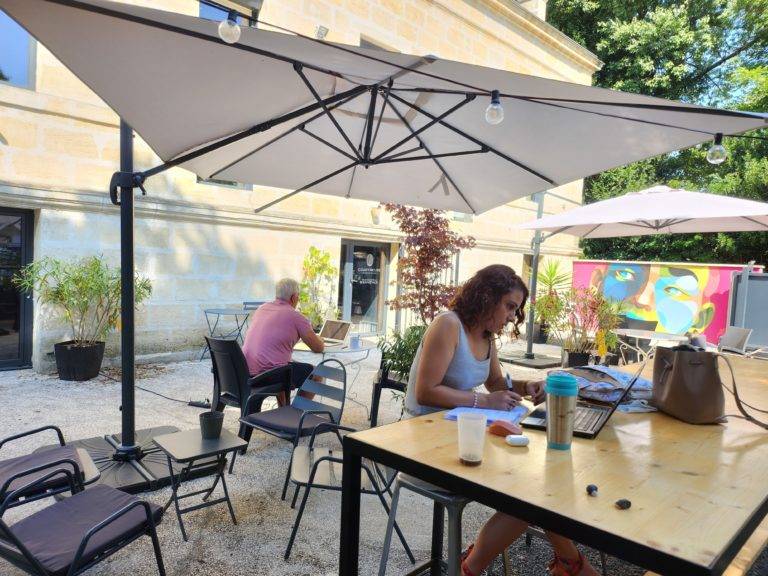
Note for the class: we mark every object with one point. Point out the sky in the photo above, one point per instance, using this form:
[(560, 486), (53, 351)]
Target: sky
[(14, 51)]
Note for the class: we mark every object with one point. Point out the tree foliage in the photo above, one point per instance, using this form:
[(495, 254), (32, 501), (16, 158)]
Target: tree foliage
[(430, 245), (316, 291), (711, 52)]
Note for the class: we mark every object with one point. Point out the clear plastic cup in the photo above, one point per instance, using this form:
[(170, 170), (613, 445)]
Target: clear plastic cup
[(471, 438)]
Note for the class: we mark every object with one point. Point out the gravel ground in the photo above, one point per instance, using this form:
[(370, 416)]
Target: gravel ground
[(257, 543)]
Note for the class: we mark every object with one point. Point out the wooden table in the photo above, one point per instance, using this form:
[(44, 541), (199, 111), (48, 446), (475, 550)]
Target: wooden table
[(697, 492)]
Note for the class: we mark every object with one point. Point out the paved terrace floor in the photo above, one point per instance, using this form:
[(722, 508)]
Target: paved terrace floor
[(256, 545)]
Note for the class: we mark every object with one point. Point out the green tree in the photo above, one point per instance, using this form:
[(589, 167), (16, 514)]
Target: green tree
[(3, 77), (316, 290), (702, 51)]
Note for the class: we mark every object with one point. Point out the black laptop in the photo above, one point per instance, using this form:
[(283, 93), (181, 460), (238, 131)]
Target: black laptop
[(590, 415)]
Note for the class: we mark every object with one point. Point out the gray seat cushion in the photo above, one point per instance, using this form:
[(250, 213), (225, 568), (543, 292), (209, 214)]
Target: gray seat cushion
[(15, 466), (285, 420), (54, 533)]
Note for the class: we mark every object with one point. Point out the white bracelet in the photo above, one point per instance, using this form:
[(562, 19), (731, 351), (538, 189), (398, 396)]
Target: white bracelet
[(474, 404)]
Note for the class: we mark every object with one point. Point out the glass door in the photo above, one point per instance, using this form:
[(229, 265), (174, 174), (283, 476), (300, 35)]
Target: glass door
[(15, 308), (362, 285)]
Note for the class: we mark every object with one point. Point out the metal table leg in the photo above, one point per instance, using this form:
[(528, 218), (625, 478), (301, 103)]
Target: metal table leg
[(350, 514)]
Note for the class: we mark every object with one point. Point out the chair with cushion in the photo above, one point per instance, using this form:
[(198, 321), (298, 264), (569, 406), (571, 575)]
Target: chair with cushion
[(735, 341), (23, 470), (319, 399), (314, 467), (233, 384), (76, 533)]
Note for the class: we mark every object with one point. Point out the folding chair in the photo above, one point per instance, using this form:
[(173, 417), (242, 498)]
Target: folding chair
[(314, 403), (74, 534), (23, 470), (735, 341), (322, 468)]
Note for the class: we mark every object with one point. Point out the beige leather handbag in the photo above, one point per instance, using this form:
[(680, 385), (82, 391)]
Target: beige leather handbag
[(687, 385)]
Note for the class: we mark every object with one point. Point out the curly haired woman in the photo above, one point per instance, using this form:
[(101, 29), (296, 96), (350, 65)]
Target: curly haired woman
[(457, 355)]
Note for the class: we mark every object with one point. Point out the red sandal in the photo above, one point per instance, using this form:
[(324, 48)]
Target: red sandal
[(562, 567)]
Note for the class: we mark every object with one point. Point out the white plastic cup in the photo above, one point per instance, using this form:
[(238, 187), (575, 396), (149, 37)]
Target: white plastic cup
[(471, 438)]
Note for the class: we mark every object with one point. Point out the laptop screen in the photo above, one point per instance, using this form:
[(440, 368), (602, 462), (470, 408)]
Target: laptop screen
[(335, 329)]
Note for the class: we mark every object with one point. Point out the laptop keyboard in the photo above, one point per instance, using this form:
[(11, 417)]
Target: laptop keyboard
[(587, 418)]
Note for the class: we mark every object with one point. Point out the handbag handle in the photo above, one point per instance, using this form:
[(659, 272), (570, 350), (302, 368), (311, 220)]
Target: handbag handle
[(736, 397)]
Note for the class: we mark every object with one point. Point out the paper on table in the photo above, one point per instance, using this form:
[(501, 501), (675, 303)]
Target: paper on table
[(514, 416)]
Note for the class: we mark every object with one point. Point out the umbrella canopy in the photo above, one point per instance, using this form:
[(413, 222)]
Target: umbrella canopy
[(657, 210), (296, 113)]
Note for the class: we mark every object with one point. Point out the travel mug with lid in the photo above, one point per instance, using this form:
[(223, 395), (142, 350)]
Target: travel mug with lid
[(562, 391)]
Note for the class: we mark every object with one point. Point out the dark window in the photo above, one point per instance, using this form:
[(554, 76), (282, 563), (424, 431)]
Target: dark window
[(16, 53)]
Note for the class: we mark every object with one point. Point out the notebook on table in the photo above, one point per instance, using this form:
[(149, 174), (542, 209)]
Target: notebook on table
[(514, 416)]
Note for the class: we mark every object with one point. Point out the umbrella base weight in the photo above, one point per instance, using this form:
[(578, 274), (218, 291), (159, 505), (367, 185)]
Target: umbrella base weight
[(141, 468)]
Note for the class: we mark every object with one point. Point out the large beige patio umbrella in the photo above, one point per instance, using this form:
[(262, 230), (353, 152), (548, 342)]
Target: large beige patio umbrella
[(297, 113), (300, 114), (657, 210)]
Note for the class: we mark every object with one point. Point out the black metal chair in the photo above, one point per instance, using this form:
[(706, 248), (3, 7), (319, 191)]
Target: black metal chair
[(382, 382), (233, 384), (315, 402), (76, 533), (321, 468), (23, 470)]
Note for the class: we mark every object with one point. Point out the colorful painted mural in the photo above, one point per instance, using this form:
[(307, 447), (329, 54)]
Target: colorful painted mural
[(674, 298)]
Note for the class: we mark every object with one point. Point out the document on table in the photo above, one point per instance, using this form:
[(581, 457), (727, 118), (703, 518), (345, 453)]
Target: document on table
[(514, 416)]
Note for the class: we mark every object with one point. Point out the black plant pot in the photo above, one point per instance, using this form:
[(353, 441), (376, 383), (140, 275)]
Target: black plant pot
[(78, 362), (210, 424), (543, 334), (574, 359)]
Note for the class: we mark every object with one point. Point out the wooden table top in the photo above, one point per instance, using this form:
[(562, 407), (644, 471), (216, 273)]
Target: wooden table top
[(693, 488)]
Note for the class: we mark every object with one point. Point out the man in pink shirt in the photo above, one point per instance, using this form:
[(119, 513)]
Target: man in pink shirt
[(275, 328)]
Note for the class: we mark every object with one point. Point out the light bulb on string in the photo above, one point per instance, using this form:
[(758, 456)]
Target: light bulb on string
[(229, 29), (494, 114), (717, 152)]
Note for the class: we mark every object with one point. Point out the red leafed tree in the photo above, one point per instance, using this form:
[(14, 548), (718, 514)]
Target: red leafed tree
[(429, 245)]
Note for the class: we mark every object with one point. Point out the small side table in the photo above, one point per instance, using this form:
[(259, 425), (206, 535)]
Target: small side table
[(229, 333), (189, 447)]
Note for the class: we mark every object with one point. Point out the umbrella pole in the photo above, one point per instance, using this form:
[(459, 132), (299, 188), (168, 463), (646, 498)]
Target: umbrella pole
[(128, 448), (534, 276)]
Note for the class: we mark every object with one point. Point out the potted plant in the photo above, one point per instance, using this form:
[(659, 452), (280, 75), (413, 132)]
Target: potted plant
[(585, 315), (87, 293), (550, 282)]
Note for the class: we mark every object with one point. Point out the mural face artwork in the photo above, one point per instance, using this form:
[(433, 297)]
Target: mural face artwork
[(670, 298)]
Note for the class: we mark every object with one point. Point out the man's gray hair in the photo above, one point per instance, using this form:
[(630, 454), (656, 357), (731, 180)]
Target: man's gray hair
[(285, 288)]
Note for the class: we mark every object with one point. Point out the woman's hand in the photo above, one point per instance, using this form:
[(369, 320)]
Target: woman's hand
[(502, 400), (535, 389)]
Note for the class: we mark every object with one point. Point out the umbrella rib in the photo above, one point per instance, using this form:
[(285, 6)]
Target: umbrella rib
[(435, 120), (592, 230), (432, 156), (324, 141), (435, 160), (755, 221), (638, 105), (477, 141), (306, 186), (404, 152), (278, 137), (263, 126), (381, 115), (297, 68)]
